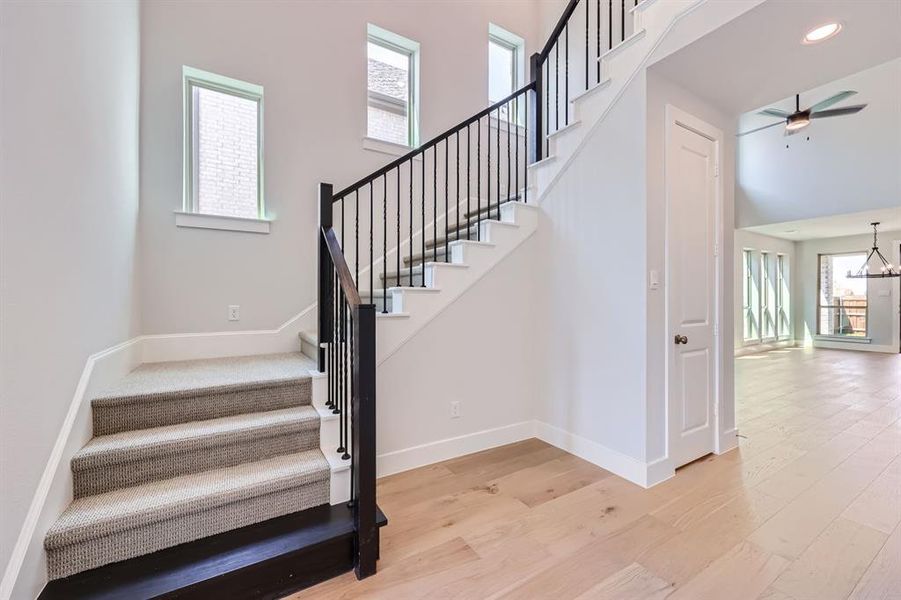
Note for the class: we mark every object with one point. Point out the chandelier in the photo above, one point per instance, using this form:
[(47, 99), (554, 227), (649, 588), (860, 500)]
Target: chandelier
[(886, 269)]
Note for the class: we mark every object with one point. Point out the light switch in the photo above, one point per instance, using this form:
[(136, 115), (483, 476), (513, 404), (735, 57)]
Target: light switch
[(654, 280)]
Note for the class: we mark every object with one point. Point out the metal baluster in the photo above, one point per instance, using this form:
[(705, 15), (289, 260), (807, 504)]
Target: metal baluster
[(348, 375), (336, 402), (498, 167), (547, 102), (488, 167), (479, 178), (422, 235), (411, 223), (525, 157), (434, 206), (517, 140), (357, 237), (397, 249), (457, 180), (385, 243), (609, 24), (598, 37), (446, 193), (339, 298), (468, 190), (566, 80), (509, 189), (587, 21), (371, 233), (347, 410), (622, 21), (557, 85)]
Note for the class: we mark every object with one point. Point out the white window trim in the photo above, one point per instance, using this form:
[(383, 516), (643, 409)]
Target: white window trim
[(221, 222), (389, 39), (864, 339), (518, 45), (195, 77)]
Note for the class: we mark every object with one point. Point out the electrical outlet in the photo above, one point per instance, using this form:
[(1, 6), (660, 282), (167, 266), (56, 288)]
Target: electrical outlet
[(455, 409), (234, 312)]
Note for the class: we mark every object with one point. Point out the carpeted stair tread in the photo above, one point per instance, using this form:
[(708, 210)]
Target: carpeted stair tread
[(95, 517), (184, 378), (143, 444)]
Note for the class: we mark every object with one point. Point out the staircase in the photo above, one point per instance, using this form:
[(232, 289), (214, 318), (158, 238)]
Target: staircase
[(186, 451), (255, 476)]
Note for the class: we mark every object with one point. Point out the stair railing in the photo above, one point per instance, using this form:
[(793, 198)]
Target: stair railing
[(596, 26), (411, 211), (347, 355)]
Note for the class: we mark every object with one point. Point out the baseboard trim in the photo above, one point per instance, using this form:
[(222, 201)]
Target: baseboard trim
[(190, 346), (54, 491), (758, 348), (627, 467), (856, 346), (398, 461)]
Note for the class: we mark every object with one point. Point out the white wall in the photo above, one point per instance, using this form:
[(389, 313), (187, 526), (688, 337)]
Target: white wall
[(660, 92), (480, 351), (850, 164), (882, 310), (592, 252), (310, 58), (68, 219), (757, 243)]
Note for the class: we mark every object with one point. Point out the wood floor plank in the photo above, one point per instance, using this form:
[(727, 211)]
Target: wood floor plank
[(745, 570), (799, 512), (831, 567), (633, 581), (879, 506), (882, 579)]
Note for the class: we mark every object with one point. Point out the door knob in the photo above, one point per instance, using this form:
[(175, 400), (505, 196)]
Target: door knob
[(681, 339)]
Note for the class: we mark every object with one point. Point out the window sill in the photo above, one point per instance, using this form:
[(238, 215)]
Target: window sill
[(376, 145), (220, 222), (843, 338)]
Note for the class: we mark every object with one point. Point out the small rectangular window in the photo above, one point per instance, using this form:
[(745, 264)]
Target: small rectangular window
[(392, 65), (767, 296), (841, 300), (223, 145), (505, 65), (750, 298), (783, 299)]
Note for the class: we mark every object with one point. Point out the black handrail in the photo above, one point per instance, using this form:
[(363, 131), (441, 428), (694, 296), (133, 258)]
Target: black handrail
[(432, 142), (558, 29)]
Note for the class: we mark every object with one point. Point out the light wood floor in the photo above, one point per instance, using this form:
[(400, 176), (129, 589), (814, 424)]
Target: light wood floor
[(808, 507)]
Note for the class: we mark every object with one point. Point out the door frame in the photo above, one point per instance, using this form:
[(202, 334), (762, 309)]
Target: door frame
[(723, 440)]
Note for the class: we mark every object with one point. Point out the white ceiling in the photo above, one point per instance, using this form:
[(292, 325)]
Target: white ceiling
[(759, 58), (833, 226)]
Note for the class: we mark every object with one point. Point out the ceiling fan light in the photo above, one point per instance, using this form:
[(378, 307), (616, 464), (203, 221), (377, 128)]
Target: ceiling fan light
[(822, 33), (798, 121)]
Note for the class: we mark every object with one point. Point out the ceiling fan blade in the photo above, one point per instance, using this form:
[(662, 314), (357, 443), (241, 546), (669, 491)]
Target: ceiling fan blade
[(774, 112), (831, 100), (838, 112), (759, 128)]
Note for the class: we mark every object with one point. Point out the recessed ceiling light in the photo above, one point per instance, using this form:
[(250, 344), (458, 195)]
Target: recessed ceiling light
[(821, 33)]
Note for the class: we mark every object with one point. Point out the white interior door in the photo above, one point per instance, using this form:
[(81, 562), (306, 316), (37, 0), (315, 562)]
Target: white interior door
[(691, 185)]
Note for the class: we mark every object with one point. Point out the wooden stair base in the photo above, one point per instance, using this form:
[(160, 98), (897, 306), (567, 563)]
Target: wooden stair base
[(267, 560)]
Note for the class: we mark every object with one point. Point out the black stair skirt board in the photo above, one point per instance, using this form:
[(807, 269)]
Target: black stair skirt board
[(267, 560)]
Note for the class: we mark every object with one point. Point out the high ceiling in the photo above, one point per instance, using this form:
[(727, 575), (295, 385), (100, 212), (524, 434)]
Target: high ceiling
[(835, 226), (759, 58)]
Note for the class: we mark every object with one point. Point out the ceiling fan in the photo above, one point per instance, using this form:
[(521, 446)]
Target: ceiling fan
[(800, 119)]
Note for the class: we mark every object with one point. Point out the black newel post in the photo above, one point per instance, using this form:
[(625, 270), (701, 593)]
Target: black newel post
[(326, 272), (536, 116)]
